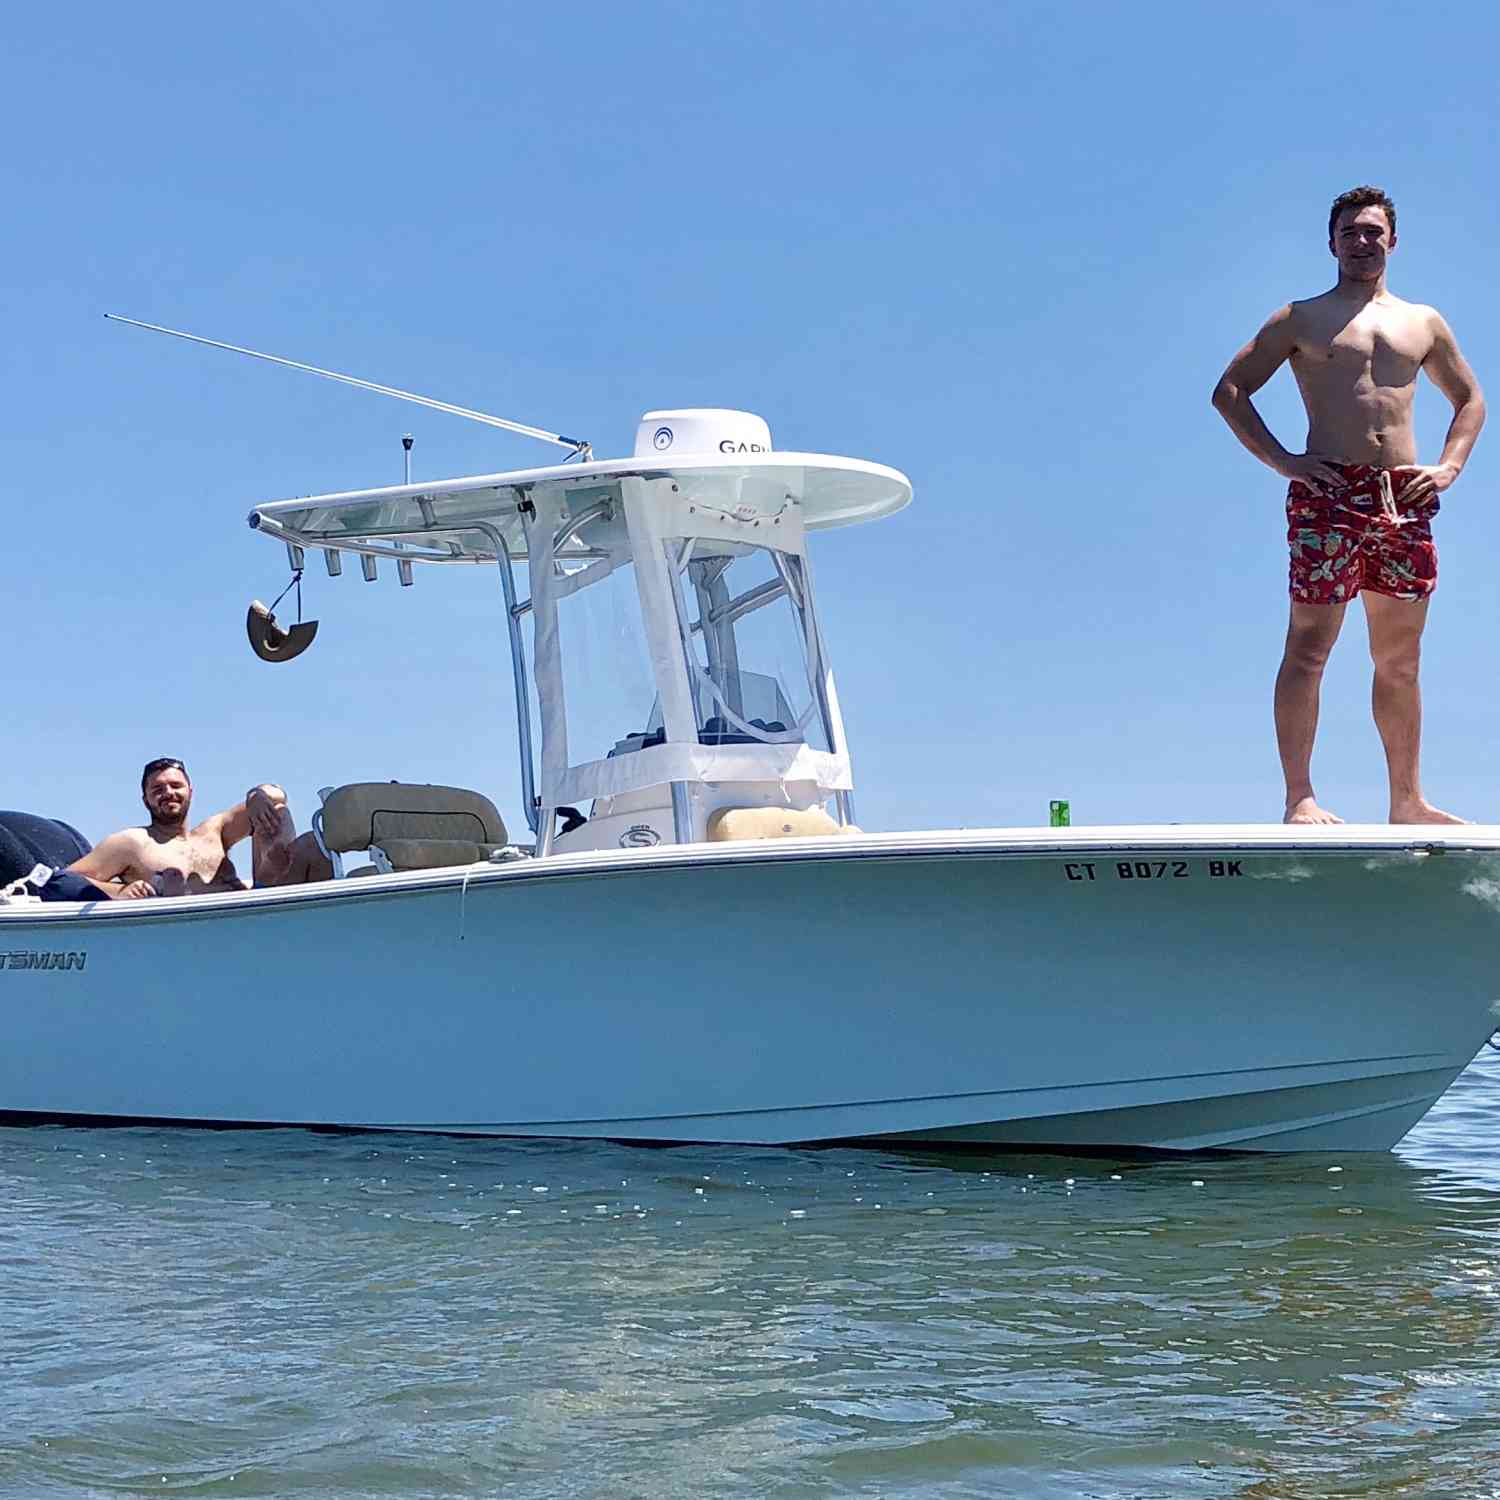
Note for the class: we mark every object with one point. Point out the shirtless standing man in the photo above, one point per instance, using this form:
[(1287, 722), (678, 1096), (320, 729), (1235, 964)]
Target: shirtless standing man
[(167, 858), (1360, 506)]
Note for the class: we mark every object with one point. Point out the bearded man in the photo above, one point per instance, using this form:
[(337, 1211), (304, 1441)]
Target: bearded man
[(168, 858)]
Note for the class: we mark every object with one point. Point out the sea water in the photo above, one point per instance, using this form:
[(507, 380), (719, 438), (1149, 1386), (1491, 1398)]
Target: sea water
[(289, 1313)]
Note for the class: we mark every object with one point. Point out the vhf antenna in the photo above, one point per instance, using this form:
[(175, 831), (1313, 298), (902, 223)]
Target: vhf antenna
[(581, 449)]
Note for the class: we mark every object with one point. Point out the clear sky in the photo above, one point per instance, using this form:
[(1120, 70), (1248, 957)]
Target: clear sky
[(1006, 248)]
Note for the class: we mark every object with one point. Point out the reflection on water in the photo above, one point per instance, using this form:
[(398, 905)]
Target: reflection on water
[(286, 1313)]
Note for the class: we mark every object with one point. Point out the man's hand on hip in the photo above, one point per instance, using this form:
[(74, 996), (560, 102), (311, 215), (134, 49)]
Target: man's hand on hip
[(1313, 470), (1431, 479)]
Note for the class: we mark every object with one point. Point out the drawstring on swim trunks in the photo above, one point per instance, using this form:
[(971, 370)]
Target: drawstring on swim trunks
[(1388, 509), (1388, 500)]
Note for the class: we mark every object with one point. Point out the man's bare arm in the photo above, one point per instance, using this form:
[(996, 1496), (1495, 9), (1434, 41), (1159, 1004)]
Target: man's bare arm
[(1248, 371), (260, 814), (112, 861), (1449, 371), (234, 825)]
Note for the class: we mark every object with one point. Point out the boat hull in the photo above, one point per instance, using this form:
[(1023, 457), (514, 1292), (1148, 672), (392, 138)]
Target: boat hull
[(1156, 993)]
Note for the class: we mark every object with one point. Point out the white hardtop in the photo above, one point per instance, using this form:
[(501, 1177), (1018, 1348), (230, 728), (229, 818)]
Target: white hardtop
[(430, 519), (699, 539)]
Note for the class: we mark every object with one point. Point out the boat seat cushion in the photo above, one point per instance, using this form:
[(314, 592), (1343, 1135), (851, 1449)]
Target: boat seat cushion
[(366, 813), (433, 854), (731, 823)]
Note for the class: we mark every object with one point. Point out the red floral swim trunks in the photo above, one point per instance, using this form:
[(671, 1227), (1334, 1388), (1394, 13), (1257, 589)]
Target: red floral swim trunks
[(1360, 536)]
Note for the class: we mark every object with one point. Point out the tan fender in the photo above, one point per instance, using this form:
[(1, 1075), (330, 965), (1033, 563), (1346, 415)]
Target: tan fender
[(733, 823)]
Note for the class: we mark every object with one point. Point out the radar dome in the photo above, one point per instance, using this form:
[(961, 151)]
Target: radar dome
[(699, 430)]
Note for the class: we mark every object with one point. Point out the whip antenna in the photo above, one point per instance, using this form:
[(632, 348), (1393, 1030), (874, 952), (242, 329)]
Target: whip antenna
[(579, 446)]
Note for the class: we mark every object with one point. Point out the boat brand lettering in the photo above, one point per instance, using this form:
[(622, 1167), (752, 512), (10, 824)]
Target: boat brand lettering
[(1153, 869), (22, 958), (662, 438), (639, 836), (728, 445)]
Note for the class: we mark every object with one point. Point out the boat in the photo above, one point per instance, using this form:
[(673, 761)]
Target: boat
[(693, 940)]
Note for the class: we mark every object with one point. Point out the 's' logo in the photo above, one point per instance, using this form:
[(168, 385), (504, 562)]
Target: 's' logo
[(639, 836)]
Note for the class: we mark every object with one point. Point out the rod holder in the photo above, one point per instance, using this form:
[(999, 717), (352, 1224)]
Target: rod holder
[(333, 560), (368, 566)]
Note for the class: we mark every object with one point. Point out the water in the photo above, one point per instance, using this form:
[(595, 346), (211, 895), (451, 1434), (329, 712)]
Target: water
[(282, 1313)]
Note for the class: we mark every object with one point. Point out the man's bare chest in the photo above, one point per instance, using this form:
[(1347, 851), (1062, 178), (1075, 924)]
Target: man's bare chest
[(1385, 350), (194, 853)]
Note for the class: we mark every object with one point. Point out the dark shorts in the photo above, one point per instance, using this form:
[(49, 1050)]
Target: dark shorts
[(1360, 536), (66, 886)]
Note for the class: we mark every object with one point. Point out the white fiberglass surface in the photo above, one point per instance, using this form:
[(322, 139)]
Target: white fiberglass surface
[(832, 491), (751, 646)]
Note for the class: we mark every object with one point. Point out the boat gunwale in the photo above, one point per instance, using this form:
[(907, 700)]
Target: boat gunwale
[(1247, 840)]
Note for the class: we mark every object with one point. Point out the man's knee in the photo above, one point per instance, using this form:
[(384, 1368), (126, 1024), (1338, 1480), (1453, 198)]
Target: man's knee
[(1397, 658), (1308, 648)]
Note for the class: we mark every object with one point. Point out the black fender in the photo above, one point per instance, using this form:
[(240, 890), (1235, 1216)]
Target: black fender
[(28, 840)]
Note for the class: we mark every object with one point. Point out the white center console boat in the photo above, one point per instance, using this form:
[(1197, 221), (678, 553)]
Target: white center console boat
[(694, 942)]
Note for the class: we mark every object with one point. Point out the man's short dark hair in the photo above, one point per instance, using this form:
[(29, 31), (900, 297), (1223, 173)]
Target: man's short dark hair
[(1362, 197), (163, 763)]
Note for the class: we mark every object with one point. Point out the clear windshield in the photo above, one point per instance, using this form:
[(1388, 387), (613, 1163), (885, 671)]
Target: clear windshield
[(608, 683), (741, 612), (751, 651)]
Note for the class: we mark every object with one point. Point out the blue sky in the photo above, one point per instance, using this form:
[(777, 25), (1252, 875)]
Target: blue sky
[(1006, 248)]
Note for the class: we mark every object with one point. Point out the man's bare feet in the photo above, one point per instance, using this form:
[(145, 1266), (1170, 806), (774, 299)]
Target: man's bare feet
[(1419, 811), (1306, 810)]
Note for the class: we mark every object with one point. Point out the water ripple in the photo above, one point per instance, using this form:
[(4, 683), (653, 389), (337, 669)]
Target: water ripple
[(281, 1313)]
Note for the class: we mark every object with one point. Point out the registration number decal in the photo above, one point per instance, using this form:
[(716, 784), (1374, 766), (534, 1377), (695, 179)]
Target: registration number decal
[(1151, 869)]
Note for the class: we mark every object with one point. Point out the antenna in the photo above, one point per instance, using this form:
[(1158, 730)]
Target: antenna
[(581, 449), (406, 441)]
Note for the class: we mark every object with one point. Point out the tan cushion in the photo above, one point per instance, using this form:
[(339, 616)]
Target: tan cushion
[(376, 812), (771, 823), (433, 854)]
